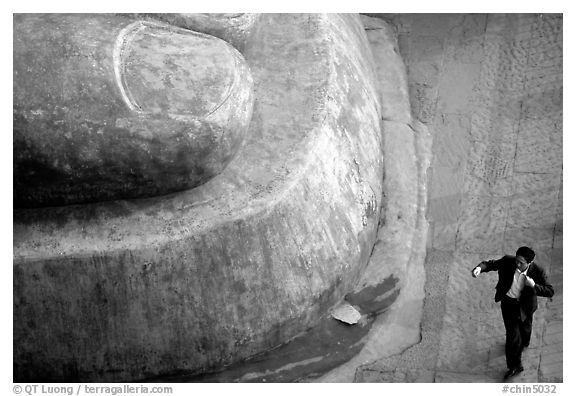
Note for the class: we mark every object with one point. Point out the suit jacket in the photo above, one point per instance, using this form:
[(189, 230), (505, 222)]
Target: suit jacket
[(506, 266)]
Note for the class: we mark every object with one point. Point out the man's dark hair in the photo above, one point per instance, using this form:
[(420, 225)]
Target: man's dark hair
[(526, 252)]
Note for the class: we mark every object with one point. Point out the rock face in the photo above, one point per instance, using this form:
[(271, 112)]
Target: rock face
[(108, 108), (196, 280)]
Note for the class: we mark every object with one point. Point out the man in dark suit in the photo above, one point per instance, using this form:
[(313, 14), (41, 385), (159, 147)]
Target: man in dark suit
[(520, 281)]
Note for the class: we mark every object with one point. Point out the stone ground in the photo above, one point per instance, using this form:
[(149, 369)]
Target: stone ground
[(489, 87)]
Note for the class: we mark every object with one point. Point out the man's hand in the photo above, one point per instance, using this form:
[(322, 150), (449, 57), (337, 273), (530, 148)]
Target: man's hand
[(476, 271), (529, 281)]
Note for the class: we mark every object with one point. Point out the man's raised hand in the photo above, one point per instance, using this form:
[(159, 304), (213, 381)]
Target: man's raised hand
[(476, 272)]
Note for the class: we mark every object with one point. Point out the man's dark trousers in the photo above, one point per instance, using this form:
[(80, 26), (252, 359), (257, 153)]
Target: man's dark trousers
[(518, 330)]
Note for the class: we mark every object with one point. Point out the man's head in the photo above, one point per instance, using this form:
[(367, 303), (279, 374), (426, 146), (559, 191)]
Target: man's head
[(524, 256)]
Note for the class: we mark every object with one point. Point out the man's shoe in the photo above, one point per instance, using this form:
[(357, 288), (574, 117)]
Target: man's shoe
[(513, 372)]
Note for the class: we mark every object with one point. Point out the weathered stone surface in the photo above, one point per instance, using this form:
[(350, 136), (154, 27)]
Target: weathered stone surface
[(393, 84), (197, 280), (392, 285), (445, 199), (107, 108), (496, 130), (233, 28), (482, 224), (390, 291)]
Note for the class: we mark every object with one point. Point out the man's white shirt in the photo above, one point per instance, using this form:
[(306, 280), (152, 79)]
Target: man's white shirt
[(518, 283)]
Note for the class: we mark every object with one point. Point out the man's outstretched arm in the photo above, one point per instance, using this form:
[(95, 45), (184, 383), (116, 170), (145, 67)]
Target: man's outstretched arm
[(485, 266)]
